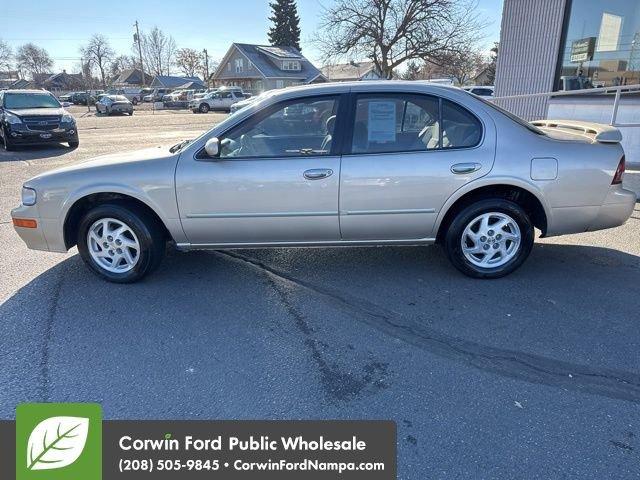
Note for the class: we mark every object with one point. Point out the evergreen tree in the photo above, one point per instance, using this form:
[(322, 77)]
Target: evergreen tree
[(285, 31)]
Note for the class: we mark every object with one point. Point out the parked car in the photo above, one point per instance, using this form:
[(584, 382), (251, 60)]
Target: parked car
[(221, 99), (131, 93), (482, 91), (109, 104), (86, 98), (157, 94), (33, 117), (395, 163), (66, 97), (246, 102)]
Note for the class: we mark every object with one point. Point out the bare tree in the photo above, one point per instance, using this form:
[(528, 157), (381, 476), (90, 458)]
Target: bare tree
[(189, 61), (391, 32), (121, 63), (98, 53), (158, 50), (33, 60), (493, 61), (6, 55), (414, 71), (462, 66)]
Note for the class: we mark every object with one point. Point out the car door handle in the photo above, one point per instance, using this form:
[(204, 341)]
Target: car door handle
[(318, 173), (460, 168)]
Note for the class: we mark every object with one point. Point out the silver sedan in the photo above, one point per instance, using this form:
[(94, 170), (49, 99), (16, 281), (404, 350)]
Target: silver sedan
[(367, 163)]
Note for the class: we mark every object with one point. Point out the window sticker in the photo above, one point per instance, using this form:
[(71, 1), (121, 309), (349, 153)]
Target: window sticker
[(382, 122)]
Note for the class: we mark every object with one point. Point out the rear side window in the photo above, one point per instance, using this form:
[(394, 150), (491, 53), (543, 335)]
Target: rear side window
[(396, 123), (388, 123), (460, 128)]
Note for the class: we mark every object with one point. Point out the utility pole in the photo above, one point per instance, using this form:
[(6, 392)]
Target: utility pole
[(86, 73), (136, 38), (206, 66)]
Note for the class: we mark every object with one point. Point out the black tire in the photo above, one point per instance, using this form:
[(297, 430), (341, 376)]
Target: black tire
[(454, 237), (6, 143), (135, 101), (149, 233), (204, 108), (74, 144)]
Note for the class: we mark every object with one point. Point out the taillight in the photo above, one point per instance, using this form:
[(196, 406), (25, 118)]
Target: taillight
[(617, 178)]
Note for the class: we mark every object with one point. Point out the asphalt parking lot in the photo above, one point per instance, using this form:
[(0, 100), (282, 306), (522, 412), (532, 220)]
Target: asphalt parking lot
[(536, 375)]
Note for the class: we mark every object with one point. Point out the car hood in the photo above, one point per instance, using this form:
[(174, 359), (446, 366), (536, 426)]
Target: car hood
[(112, 161), (36, 112)]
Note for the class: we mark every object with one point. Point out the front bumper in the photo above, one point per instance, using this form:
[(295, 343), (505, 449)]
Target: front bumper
[(47, 234), (21, 135)]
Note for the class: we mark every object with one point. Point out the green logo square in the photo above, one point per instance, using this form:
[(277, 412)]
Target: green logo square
[(59, 441)]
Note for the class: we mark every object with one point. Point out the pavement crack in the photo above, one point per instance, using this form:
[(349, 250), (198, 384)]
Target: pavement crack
[(523, 366), (340, 386), (46, 339)]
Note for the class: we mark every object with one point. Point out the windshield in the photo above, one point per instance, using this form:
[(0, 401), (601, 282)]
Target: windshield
[(30, 100), (515, 118), (119, 98)]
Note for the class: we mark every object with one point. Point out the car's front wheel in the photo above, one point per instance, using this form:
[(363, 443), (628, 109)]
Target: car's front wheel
[(6, 143), (204, 108), (489, 239), (120, 243)]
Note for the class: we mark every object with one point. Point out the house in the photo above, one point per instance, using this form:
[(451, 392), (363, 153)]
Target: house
[(57, 82), (64, 81), (352, 71), (167, 81), (482, 77), (8, 78), (193, 85), (257, 68), (131, 77)]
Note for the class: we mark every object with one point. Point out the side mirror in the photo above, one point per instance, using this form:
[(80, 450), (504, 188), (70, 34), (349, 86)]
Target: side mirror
[(212, 147)]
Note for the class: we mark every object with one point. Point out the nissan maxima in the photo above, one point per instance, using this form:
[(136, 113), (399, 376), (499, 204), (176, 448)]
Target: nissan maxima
[(350, 164)]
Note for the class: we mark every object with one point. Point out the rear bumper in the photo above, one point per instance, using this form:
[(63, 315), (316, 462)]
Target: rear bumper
[(616, 209)]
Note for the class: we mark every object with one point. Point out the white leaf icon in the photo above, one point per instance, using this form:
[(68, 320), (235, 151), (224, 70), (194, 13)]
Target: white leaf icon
[(56, 442)]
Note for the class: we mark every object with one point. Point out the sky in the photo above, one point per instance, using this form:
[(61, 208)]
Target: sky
[(62, 27)]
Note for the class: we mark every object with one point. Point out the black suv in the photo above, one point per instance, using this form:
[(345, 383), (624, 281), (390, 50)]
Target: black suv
[(33, 117)]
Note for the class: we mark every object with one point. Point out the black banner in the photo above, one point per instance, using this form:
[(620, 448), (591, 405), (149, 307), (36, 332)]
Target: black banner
[(238, 450)]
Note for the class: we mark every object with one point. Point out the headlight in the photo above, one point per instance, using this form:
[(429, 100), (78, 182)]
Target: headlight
[(28, 196), (12, 119), (66, 118)]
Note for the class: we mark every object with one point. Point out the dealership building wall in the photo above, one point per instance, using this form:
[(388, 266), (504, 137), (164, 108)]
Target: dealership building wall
[(552, 45), (528, 55)]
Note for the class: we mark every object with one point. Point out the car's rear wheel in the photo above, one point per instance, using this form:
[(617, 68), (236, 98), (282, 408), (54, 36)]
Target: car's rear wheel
[(120, 243), (204, 108), (135, 100), (489, 239)]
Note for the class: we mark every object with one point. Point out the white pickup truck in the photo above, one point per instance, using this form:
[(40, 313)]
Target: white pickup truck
[(221, 99)]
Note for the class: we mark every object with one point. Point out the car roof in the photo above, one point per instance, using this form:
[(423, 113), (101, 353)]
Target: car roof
[(378, 86)]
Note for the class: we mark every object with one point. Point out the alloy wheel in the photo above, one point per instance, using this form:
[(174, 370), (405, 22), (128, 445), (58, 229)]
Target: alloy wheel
[(113, 245), (491, 240)]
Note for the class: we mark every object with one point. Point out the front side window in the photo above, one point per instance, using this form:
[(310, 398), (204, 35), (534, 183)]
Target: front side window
[(396, 123), (295, 128)]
